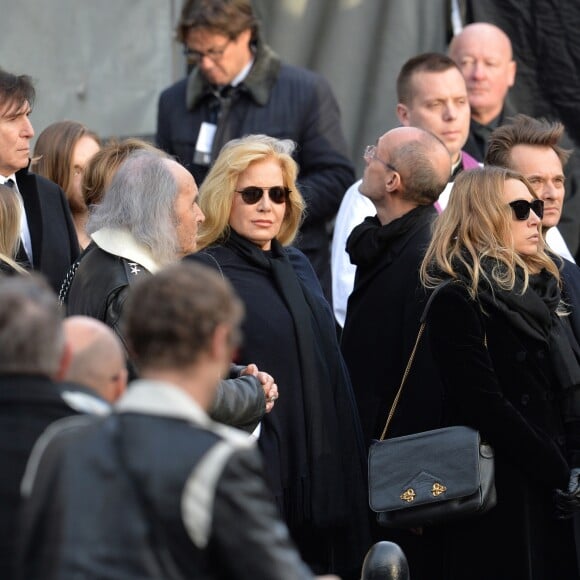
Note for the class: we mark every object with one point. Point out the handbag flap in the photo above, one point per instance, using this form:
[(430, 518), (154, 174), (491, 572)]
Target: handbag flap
[(422, 468)]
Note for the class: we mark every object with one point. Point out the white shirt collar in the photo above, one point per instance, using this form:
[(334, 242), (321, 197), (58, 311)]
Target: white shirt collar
[(242, 74)]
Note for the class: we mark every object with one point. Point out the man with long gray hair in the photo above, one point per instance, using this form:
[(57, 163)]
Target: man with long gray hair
[(148, 218)]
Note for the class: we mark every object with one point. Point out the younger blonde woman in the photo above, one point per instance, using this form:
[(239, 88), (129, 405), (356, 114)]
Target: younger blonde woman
[(10, 215), (502, 345)]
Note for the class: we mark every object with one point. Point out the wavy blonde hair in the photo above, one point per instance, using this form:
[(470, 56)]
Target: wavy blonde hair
[(476, 224), (216, 194), (10, 215)]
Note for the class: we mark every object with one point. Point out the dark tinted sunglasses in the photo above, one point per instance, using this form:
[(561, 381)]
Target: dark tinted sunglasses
[(253, 194), (522, 208)]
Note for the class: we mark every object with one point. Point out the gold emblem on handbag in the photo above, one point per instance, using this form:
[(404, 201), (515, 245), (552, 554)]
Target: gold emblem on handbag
[(429, 477)]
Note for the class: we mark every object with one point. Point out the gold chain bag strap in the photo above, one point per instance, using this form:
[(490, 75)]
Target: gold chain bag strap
[(430, 477)]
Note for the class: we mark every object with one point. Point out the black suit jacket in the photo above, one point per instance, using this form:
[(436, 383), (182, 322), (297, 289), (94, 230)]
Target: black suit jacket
[(54, 240)]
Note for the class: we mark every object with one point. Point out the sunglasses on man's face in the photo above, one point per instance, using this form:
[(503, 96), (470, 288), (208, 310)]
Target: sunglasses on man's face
[(522, 208), (253, 194)]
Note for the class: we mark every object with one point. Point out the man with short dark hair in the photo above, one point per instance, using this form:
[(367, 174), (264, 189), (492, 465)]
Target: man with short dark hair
[(237, 86), (48, 238), (533, 148), (157, 489)]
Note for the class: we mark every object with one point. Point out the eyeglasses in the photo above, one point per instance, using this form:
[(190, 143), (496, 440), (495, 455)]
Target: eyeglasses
[(253, 194), (522, 208), (214, 54), (370, 154)]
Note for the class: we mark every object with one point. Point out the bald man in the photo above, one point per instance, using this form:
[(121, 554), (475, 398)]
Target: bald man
[(484, 54), (405, 173), (97, 374)]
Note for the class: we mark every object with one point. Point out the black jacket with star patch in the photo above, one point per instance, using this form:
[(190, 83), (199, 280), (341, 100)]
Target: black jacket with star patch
[(98, 286)]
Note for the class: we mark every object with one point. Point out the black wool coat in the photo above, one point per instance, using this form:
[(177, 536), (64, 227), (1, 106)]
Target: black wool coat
[(28, 405), (509, 392), (381, 326)]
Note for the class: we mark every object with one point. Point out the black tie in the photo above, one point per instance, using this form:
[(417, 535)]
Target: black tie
[(9, 183)]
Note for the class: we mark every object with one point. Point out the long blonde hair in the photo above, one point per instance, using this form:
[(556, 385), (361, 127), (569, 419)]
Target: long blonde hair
[(216, 194), (476, 224), (10, 216)]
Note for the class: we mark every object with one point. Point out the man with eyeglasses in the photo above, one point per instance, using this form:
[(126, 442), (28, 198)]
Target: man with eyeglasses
[(405, 173), (237, 86), (432, 95)]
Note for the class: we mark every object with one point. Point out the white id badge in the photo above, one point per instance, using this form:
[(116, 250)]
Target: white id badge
[(204, 143)]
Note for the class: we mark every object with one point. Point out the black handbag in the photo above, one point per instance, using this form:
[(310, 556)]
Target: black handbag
[(431, 477)]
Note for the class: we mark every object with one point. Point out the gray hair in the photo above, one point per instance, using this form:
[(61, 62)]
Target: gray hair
[(141, 199), (31, 333)]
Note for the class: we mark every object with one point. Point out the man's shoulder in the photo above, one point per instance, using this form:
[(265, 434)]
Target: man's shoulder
[(28, 181), (30, 389), (293, 75), (175, 90)]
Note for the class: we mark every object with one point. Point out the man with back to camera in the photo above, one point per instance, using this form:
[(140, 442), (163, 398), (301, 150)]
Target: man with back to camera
[(238, 85), (97, 374), (34, 355), (49, 243), (431, 95), (171, 493)]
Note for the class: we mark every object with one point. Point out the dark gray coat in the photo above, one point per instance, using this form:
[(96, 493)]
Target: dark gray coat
[(282, 101)]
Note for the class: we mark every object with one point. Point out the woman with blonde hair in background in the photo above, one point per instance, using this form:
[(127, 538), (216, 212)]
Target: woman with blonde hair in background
[(10, 216), (503, 347)]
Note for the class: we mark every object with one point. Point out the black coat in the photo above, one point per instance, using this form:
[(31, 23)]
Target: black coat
[(28, 404), (507, 390), (381, 326), (282, 101), (292, 433), (54, 240)]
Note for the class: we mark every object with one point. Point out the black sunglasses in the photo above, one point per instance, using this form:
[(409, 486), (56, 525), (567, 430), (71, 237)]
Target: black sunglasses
[(522, 208), (253, 194)]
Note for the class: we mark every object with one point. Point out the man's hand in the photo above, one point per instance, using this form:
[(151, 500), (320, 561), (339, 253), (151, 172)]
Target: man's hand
[(268, 384), (568, 502)]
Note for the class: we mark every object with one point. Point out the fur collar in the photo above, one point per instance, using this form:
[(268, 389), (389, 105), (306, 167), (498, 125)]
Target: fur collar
[(122, 243), (258, 84)]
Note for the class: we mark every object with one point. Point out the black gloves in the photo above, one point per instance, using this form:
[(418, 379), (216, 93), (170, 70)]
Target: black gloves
[(568, 502)]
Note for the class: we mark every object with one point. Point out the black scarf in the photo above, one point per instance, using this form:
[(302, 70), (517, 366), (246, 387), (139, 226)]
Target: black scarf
[(534, 313), (328, 493), (370, 239)]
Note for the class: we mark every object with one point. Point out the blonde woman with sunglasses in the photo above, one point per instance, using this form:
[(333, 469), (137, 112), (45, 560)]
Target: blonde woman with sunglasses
[(311, 441), (502, 344)]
